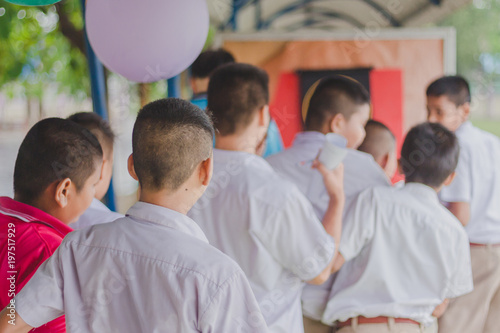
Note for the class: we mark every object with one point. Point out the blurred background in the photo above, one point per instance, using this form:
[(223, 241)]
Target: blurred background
[(44, 70)]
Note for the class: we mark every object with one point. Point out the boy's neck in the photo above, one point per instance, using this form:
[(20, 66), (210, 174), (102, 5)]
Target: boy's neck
[(436, 189), (180, 200), (236, 142), (41, 204)]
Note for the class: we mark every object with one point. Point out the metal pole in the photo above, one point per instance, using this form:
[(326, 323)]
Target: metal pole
[(174, 86), (98, 88)]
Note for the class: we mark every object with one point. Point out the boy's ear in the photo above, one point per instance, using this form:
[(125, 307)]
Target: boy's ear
[(63, 189), (130, 166), (264, 116), (449, 179), (337, 123), (384, 160), (103, 168), (466, 110), (206, 171)]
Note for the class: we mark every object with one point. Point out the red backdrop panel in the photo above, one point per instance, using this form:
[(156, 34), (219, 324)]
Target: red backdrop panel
[(386, 92), (285, 107)]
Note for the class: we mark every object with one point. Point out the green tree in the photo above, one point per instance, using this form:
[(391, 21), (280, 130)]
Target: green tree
[(478, 49), (39, 47)]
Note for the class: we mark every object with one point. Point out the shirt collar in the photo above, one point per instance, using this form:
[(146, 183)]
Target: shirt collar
[(27, 213), (238, 157), (166, 217), (422, 191), (98, 205), (317, 138)]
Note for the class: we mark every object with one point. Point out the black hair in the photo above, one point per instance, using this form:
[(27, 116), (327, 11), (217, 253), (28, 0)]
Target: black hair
[(333, 95), (171, 137), (54, 149), (208, 61), (97, 125), (429, 154), (456, 88), (235, 93)]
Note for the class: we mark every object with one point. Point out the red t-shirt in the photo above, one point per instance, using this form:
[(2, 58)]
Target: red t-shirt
[(34, 236)]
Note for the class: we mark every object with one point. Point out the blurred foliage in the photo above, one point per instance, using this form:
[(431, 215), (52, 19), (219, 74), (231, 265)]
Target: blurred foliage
[(34, 53), (478, 39)]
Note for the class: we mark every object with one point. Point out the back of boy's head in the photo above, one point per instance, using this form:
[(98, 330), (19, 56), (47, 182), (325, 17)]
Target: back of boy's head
[(236, 92), (98, 126), (171, 138), (208, 61), (379, 139), (54, 149), (456, 88), (333, 95), (429, 154)]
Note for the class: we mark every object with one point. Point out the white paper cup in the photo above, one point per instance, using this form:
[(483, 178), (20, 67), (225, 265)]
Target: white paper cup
[(331, 155)]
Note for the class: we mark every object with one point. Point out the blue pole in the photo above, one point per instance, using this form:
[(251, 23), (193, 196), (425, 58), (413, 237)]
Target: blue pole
[(174, 87), (98, 89)]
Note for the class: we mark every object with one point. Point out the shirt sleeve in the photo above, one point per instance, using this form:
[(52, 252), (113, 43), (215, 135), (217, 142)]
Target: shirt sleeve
[(461, 281), (233, 309), (41, 299), (359, 225), (295, 237), (460, 190)]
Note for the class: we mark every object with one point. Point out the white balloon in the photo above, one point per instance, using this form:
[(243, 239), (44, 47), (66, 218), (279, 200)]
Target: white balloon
[(147, 40)]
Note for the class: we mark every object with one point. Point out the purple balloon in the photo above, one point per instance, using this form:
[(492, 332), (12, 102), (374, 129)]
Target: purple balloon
[(147, 40)]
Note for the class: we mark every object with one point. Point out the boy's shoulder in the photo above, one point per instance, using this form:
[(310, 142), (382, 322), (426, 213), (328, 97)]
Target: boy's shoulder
[(257, 177), (471, 138), (161, 246), (412, 203), (362, 167)]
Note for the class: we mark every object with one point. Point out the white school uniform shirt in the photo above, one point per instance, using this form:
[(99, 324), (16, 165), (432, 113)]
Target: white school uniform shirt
[(151, 271), (360, 172), (97, 213), (478, 183), (405, 253), (269, 228)]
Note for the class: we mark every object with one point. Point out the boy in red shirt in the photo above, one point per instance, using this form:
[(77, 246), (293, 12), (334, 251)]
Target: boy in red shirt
[(57, 168)]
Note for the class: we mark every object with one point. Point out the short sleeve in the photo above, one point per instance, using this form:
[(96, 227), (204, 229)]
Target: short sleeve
[(461, 281), (295, 237), (41, 299), (460, 190), (233, 308), (359, 225)]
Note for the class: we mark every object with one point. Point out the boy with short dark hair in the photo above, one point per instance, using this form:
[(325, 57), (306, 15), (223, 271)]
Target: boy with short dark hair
[(474, 198), (156, 271), (206, 63), (339, 105), (202, 67), (98, 212), (337, 113), (57, 168), (380, 142), (257, 217), (404, 253)]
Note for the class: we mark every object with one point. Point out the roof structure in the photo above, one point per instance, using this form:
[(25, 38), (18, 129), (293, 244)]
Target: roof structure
[(294, 15)]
